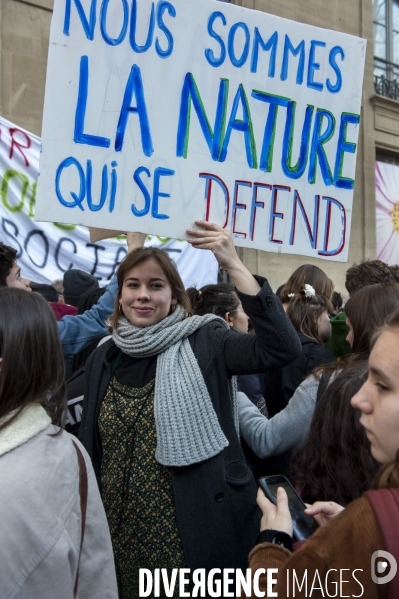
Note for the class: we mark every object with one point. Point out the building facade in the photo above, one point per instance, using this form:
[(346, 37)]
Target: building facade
[(24, 35)]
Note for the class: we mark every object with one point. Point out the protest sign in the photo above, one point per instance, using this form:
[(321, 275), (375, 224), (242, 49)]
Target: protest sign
[(47, 250), (159, 113)]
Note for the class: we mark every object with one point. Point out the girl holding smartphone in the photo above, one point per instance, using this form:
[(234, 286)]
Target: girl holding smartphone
[(347, 539)]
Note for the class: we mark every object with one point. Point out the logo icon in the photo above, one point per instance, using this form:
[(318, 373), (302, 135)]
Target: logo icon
[(385, 559)]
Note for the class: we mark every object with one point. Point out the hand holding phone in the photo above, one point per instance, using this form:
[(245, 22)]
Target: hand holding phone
[(275, 517), (303, 525)]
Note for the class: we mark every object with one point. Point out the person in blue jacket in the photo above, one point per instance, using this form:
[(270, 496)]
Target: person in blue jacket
[(76, 332)]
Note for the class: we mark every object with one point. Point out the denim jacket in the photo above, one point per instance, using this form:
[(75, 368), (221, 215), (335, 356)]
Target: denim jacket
[(76, 332)]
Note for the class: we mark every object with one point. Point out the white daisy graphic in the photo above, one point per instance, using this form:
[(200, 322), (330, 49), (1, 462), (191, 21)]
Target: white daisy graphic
[(387, 212)]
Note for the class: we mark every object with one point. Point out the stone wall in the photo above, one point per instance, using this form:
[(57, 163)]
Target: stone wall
[(25, 28)]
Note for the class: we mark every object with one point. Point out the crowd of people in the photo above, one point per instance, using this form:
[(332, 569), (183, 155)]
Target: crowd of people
[(136, 419)]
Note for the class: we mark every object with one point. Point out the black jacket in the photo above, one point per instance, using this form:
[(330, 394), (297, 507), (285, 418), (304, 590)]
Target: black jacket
[(215, 503), (281, 383)]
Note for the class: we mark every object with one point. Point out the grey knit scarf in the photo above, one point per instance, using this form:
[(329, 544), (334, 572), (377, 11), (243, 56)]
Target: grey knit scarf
[(188, 430)]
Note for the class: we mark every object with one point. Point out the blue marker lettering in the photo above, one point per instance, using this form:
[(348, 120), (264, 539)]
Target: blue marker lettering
[(103, 19), (161, 7), (271, 44), (88, 26), (209, 54), (314, 66), (190, 94), (337, 50), (104, 187), (300, 49), (114, 183), (134, 86), (312, 234), (144, 191), (158, 173), (296, 171), (80, 137), (77, 199), (133, 26), (342, 147), (316, 148), (238, 62), (266, 157), (244, 126)]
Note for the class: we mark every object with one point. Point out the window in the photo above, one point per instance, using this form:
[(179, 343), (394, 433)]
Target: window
[(386, 47), (384, 156)]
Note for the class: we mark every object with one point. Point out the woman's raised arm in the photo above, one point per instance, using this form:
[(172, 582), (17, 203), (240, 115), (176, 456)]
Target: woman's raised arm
[(220, 242)]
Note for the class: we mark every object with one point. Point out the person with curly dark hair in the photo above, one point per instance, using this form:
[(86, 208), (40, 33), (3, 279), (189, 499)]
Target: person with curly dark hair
[(334, 463), (337, 303), (10, 272), (369, 272)]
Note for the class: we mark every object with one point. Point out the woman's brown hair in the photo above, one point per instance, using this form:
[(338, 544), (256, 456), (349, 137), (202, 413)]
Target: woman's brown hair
[(32, 367), (312, 275), (214, 299), (304, 313), (367, 310), (388, 475), (335, 463), (169, 269)]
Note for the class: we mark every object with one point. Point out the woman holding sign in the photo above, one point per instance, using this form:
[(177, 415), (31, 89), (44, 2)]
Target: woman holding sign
[(160, 418)]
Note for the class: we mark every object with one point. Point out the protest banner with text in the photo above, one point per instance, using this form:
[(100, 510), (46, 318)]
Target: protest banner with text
[(47, 250), (160, 113)]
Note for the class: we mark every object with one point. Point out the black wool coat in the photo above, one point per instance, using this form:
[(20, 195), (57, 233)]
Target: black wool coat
[(280, 384), (215, 500)]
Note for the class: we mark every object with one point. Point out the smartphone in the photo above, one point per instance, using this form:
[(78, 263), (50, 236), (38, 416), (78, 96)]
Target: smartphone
[(303, 525)]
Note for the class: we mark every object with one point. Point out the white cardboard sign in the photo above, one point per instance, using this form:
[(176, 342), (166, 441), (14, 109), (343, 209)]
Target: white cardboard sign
[(159, 113), (47, 250)]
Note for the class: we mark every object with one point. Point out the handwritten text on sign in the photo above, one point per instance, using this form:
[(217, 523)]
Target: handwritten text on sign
[(160, 113)]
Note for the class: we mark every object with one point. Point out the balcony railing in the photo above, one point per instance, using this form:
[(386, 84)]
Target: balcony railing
[(386, 87)]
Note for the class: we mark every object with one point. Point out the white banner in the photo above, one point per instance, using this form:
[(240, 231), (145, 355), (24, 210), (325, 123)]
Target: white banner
[(160, 113), (47, 250)]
